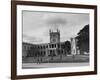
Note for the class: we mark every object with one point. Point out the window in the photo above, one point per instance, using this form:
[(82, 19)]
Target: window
[(46, 46), (55, 45)]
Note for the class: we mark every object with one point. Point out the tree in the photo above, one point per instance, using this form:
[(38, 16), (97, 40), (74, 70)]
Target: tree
[(83, 39), (68, 47)]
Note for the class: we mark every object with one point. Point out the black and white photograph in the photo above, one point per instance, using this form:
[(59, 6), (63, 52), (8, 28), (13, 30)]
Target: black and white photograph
[(55, 39)]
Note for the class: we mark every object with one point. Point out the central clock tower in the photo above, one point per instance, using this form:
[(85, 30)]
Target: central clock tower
[(54, 36)]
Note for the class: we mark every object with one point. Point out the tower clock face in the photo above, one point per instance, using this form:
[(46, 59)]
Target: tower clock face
[(54, 40)]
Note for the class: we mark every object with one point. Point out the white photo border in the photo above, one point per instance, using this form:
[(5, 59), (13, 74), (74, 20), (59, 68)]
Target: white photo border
[(21, 71)]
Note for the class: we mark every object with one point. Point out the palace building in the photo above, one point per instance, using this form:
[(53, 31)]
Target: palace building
[(54, 48)]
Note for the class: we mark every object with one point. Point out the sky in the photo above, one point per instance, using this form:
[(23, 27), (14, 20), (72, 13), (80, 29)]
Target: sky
[(36, 25)]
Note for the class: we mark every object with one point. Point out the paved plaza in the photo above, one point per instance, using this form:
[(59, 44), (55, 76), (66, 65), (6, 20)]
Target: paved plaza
[(48, 62), (51, 65)]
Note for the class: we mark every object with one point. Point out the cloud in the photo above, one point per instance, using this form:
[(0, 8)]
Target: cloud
[(56, 21), (31, 39)]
